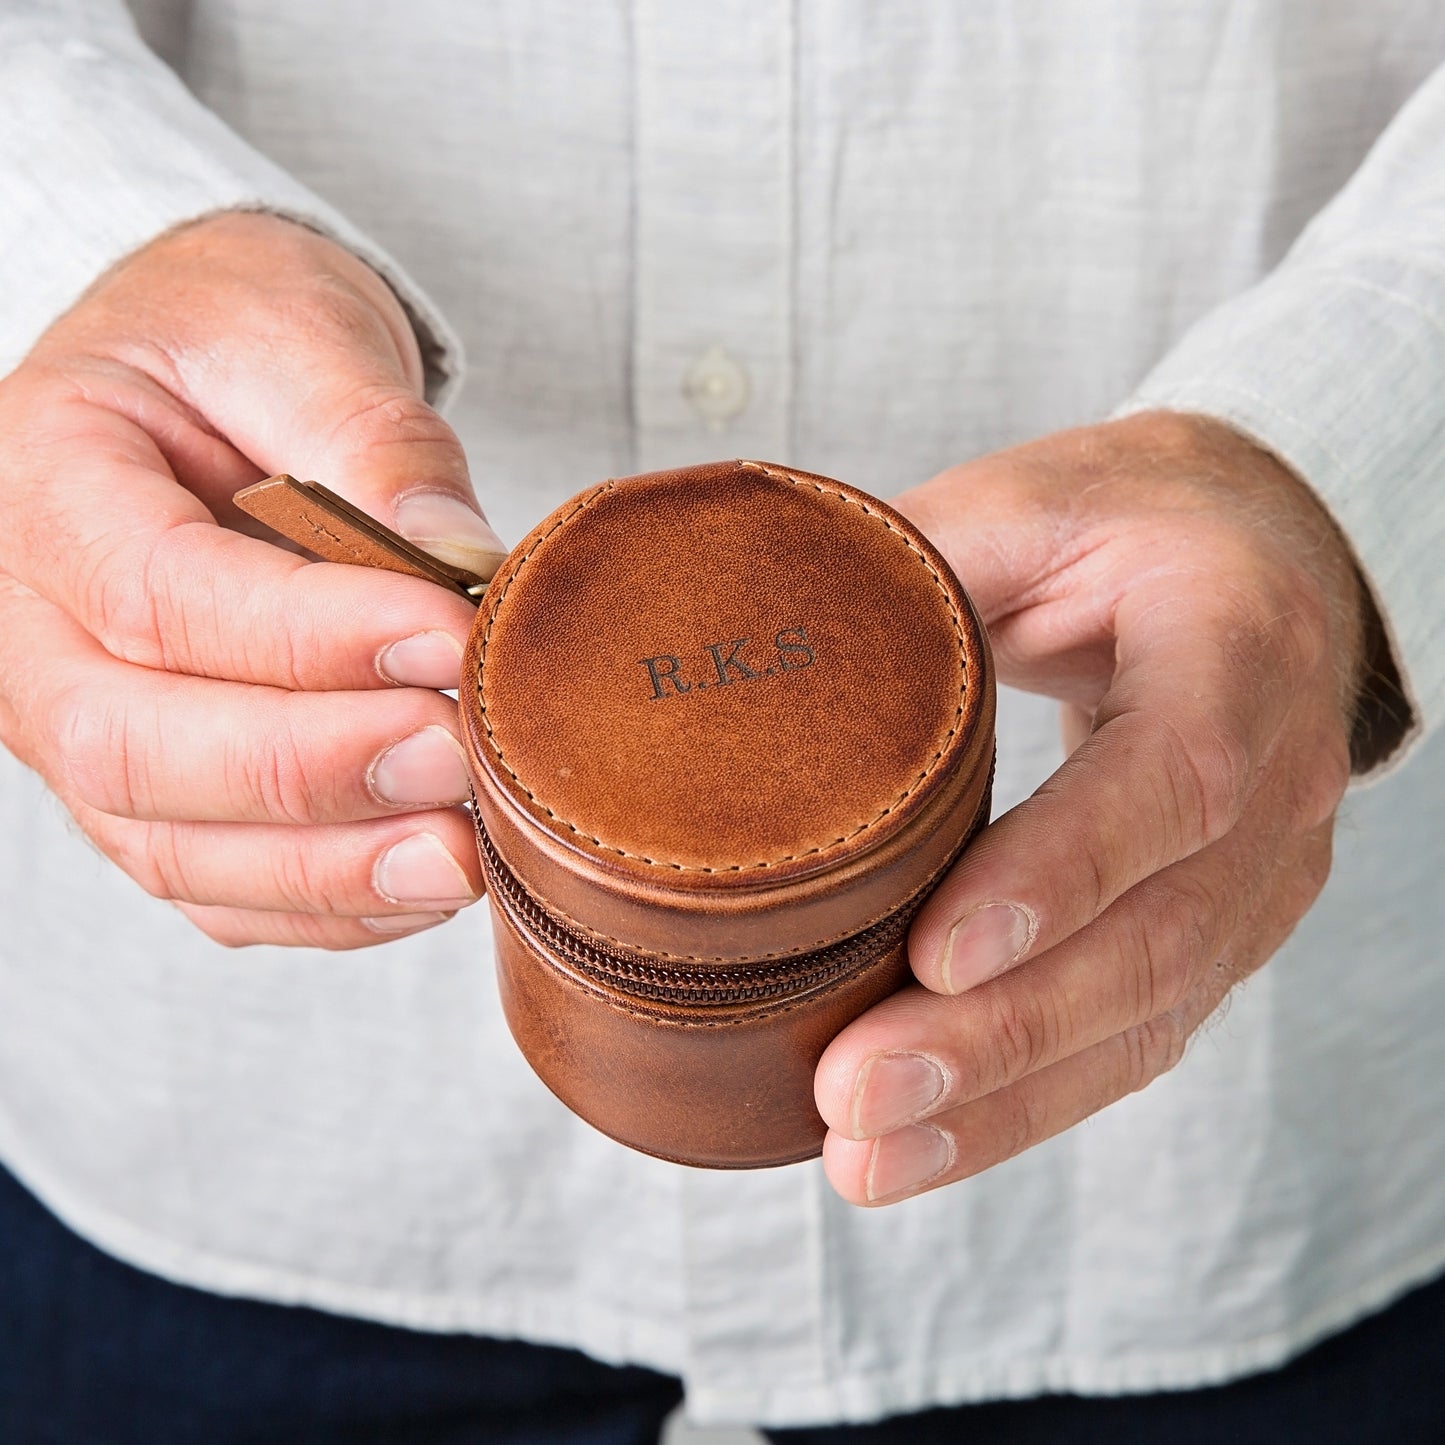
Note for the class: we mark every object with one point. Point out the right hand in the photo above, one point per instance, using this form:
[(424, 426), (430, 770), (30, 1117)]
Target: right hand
[(255, 737)]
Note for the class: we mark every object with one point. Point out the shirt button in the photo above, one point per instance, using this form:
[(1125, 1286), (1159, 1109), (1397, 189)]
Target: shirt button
[(717, 386)]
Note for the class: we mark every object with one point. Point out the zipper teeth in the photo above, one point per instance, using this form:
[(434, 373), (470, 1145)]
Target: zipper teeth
[(646, 976)]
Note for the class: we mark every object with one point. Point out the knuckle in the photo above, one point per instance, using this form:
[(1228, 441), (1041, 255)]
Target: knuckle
[(1173, 939), (93, 747), (300, 882), (976, 1063), (284, 656), (1091, 886), (131, 599), (224, 926), (1279, 629), (1094, 882), (162, 621), (1152, 1048), (117, 586), (331, 304), (304, 303), (1206, 779), (382, 413), (1025, 1034), (1024, 1122), (148, 856), (338, 298), (274, 781), (1278, 618), (228, 935)]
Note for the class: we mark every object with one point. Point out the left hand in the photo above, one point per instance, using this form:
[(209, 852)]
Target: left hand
[(259, 740), (1199, 616)]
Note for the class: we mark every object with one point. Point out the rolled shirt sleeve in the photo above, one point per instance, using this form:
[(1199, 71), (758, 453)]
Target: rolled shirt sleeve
[(102, 148), (1335, 362)]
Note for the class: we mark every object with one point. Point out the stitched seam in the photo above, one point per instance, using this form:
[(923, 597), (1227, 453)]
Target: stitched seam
[(552, 907), (760, 1010), (796, 481)]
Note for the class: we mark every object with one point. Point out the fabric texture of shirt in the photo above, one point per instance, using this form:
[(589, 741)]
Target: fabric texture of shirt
[(902, 236)]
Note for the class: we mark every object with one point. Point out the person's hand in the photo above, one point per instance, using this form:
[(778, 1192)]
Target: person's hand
[(1198, 615), (255, 737)]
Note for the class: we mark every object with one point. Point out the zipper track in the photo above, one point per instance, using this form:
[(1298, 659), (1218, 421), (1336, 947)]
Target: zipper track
[(671, 981)]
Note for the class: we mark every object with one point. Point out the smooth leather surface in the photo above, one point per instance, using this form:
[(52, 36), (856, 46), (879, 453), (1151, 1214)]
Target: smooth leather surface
[(718, 716), (730, 1090)]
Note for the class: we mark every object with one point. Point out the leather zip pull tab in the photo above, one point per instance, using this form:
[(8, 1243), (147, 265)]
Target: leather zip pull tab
[(329, 527)]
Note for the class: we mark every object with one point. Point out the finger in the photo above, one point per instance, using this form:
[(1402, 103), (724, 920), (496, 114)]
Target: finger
[(984, 1132), (243, 346), (141, 744), (405, 865), (373, 440), (238, 928), (917, 1053), (1179, 747), (149, 746), (959, 1142), (300, 356), (140, 564)]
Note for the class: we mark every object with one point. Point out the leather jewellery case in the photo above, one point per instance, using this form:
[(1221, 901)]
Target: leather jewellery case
[(727, 727)]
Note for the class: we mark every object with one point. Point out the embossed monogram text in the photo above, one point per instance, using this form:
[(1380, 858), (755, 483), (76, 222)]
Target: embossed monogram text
[(722, 664)]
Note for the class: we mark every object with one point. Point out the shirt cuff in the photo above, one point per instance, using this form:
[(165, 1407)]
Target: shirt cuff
[(1339, 370), (102, 149)]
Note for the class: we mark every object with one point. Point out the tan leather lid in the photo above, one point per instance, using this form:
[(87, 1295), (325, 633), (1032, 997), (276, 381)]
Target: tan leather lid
[(692, 689)]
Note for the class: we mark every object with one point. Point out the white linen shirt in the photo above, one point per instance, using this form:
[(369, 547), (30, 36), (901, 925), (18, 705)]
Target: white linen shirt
[(901, 235)]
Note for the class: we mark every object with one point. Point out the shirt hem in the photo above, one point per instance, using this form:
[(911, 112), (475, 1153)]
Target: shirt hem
[(612, 1338), (616, 1339), (865, 1396)]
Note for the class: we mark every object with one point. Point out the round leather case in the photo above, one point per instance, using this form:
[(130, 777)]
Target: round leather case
[(727, 725)]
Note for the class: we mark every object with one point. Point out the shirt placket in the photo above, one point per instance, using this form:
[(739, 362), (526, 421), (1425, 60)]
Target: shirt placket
[(713, 229)]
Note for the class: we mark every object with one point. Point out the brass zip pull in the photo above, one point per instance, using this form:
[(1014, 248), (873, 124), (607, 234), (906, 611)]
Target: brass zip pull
[(315, 518)]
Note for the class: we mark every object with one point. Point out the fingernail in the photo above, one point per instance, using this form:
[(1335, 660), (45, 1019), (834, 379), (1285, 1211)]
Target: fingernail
[(427, 767), (449, 529), (405, 922), (906, 1160), (430, 659), (893, 1089), (420, 870), (985, 942)]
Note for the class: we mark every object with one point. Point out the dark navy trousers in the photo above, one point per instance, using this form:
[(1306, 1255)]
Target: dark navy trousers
[(93, 1352)]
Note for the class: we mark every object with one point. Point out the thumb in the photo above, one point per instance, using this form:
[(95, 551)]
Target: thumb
[(302, 357), (380, 446), (361, 427)]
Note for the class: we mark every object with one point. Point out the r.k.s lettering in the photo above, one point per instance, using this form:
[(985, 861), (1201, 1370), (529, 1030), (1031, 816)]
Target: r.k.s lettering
[(727, 663)]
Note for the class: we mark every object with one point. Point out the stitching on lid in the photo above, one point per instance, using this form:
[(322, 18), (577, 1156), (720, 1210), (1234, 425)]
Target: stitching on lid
[(589, 499)]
